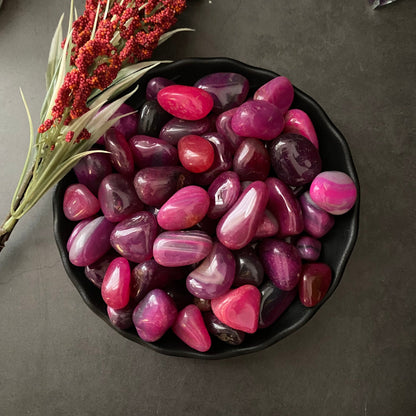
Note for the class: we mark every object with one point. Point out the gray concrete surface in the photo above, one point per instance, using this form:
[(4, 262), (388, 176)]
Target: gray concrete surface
[(356, 356)]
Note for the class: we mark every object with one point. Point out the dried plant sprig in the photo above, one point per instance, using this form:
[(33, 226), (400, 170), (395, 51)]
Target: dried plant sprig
[(105, 52)]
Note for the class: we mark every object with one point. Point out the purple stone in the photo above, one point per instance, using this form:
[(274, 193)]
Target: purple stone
[(118, 198), (127, 125), (154, 315), (281, 262), (268, 226), (222, 331), (278, 91), (257, 119), (285, 207), (223, 193), (181, 248), (121, 318), (295, 160), (177, 128), (317, 221), (76, 231), (149, 151), (214, 276), (155, 85), (184, 209), (249, 269), (298, 122), (95, 272), (79, 203), (273, 303), (155, 186), (120, 153), (228, 89), (223, 126), (309, 248), (133, 237), (152, 118), (239, 225), (91, 243), (251, 161), (115, 289)]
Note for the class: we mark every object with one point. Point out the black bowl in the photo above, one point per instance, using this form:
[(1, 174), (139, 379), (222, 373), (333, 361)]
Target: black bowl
[(337, 245)]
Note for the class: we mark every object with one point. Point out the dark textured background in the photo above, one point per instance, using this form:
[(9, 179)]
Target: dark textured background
[(356, 356)]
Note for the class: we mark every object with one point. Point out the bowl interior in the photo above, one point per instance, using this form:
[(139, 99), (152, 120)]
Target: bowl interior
[(337, 245)]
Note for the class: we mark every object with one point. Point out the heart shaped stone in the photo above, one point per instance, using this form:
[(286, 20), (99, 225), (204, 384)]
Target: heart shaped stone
[(239, 308)]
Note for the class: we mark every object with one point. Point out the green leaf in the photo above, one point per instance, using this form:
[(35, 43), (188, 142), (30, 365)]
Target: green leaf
[(54, 53)]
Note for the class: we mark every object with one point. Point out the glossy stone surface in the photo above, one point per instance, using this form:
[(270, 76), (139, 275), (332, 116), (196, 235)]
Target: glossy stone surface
[(156, 84), (75, 232), (92, 169), (149, 152), (298, 122), (278, 91), (118, 198), (295, 160), (239, 308), (196, 154), (273, 303), (334, 192), (223, 193), (222, 331), (133, 237), (115, 289), (257, 119), (214, 276), (154, 315), (184, 209), (317, 221), (239, 225), (154, 186), (152, 117), (127, 125), (181, 248), (95, 272), (204, 305), (251, 161), (183, 101), (228, 89), (281, 262), (91, 243), (79, 203), (249, 269), (177, 128), (120, 153), (309, 248), (268, 226), (314, 283), (121, 318), (223, 127), (285, 207), (190, 328)]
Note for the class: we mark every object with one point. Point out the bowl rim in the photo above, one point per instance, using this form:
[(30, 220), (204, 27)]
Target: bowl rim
[(241, 349)]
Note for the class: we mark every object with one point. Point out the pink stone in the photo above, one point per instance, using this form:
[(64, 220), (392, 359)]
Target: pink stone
[(268, 226), (190, 328), (314, 283), (76, 231), (115, 289), (185, 102), (120, 153), (79, 203), (239, 308), (278, 91), (334, 192), (298, 122)]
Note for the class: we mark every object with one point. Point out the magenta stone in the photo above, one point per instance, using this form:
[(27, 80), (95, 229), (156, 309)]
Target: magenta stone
[(188, 103), (309, 248), (278, 91), (91, 243), (79, 203), (148, 151), (251, 161), (76, 231), (285, 207), (333, 191), (155, 186), (314, 283), (154, 315), (239, 225), (184, 209), (95, 272), (115, 289), (155, 85), (181, 248), (298, 122), (268, 226), (258, 119), (190, 328), (120, 153), (214, 276), (127, 125), (228, 89), (133, 237), (177, 128), (317, 221), (239, 308), (223, 126), (118, 198), (121, 318), (92, 169), (282, 263), (223, 193)]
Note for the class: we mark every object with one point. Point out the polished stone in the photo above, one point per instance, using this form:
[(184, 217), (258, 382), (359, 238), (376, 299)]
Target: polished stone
[(115, 289), (298, 122), (79, 203), (314, 283), (278, 91)]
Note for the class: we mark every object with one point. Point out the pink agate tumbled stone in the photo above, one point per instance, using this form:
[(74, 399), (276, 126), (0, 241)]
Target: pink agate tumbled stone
[(185, 102), (115, 289), (154, 315), (298, 122), (79, 203), (190, 328), (314, 283), (278, 91), (334, 192)]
